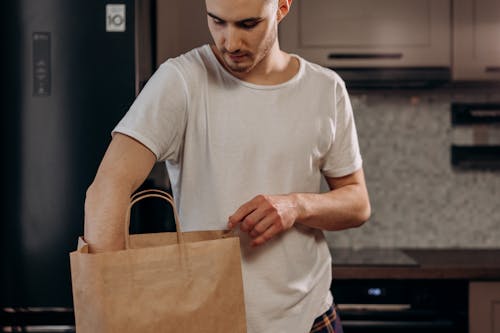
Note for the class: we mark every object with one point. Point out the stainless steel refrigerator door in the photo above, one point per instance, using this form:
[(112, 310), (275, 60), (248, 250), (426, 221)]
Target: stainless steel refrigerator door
[(70, 80)]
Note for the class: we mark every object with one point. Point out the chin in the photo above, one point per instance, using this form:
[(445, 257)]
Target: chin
[(239, 69)]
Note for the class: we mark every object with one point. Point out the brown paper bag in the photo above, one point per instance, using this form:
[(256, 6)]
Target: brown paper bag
[(162, 282)]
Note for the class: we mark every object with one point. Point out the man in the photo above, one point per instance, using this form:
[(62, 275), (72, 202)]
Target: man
[(247, 132)]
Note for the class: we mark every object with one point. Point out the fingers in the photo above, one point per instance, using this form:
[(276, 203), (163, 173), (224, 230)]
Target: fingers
[(251, 220), (264, 217), (249, 214), (241, 213), (270, 232), (264, 224)]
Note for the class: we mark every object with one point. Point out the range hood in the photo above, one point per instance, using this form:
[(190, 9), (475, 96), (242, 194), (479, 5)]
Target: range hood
[(381, 43), (409, 77)]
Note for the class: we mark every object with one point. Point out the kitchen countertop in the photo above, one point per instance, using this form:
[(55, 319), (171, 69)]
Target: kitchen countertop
[(467, 264)]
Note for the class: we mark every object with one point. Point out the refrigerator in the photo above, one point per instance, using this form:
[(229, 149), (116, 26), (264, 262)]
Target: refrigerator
[(71, 69)]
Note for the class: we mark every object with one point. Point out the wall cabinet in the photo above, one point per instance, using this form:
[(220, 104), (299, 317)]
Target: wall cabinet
[(484, 307), (366, 33), (180, 27), (476, 36), (459, 34)]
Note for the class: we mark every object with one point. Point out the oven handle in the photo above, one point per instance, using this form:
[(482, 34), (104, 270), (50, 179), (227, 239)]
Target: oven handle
[(373, 307), (440, 323)]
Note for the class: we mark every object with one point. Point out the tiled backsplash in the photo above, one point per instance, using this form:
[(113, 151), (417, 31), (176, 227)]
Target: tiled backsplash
[(418, 199)]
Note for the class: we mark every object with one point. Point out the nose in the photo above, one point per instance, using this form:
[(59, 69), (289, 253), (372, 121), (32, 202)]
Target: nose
[(232, 39)]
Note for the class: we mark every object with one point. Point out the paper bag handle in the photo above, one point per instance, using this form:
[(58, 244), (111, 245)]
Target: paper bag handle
[(153, 193), (152, 190)]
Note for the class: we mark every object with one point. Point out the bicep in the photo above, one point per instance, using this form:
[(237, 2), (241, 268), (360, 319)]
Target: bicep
[(355, 178), (127, 161)]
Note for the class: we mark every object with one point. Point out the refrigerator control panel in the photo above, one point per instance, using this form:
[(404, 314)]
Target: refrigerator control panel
[(41, 64)]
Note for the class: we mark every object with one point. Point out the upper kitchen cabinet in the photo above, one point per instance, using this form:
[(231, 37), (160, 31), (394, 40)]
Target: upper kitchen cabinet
[(367, 33), (181, 26), (476, 36)]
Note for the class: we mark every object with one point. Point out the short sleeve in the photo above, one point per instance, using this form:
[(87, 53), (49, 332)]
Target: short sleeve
[(158, 116), (343, 157)]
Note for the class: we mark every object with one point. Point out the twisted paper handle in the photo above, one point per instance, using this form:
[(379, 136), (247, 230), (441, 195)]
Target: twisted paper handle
[(153, 193)]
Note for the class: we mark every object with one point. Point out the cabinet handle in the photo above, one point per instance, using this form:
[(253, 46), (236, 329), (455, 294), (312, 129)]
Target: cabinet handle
[(363, 56), (492, 69)]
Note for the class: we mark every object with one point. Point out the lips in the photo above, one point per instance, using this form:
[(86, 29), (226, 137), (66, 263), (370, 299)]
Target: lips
[(237, 57)]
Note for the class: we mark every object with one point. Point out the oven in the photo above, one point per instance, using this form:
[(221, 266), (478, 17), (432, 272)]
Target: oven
[(407, 306)]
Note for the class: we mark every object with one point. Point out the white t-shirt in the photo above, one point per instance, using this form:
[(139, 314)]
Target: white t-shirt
[(225, 140)]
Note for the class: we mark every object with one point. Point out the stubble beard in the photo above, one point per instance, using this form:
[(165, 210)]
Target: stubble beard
[(239, 67), (251, 60)]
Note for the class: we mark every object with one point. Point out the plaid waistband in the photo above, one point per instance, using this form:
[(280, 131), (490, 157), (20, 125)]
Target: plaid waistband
[(325, 323)]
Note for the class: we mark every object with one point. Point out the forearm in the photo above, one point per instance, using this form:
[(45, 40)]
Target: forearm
[(342, 208), (265, 216), (105, 209)]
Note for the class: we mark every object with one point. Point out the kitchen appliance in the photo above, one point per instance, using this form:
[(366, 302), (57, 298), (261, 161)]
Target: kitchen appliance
[(410, 306), (396, 305), (71, 70), (476, 136)]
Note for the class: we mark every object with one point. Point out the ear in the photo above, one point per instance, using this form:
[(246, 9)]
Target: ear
[(283, 9)]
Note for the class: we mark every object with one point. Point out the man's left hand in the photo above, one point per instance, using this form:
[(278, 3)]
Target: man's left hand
[(265, 216)]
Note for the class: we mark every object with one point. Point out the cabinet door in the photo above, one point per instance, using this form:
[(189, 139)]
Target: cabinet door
[(484, 307), (366, 33), (181, 26), (476, 51)]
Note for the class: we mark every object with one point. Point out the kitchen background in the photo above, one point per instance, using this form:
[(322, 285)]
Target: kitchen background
[(418, 198), (71, 70)]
